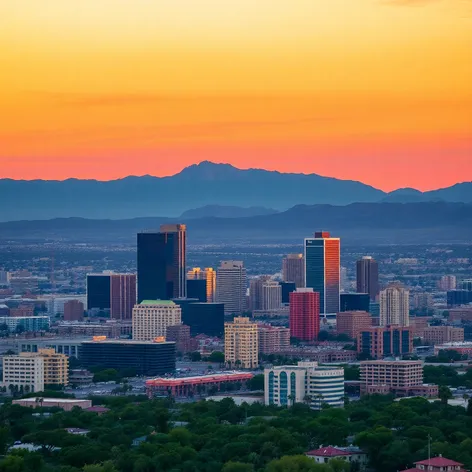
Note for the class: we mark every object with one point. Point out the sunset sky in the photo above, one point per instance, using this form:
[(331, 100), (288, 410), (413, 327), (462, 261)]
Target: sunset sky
[(372, 90)]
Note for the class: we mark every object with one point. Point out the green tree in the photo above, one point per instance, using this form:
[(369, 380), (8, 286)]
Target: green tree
[(444, 394), (237, 467), (299, 463), (195, 356), (217, 356)]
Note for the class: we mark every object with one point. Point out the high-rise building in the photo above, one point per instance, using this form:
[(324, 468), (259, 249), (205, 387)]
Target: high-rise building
[(207, 274), (242, 343), (255, 291), (379, 342), (293, 269), (354, 302), (180, 334), (447, 282), (98, 291), (304, 317), (322, 269), (394, 306), (152, 317), (287, 288), (304, 383), (73, 310), (231, 286), (273, 339), (368, 276), (204, 318), (271, 295), (352, 322), (161, 263), (197, 289)]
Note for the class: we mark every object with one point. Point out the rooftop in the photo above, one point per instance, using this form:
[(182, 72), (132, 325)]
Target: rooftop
[(124, 341), (44, 401), (439, 462), (328, 451), (200, 379), (158, 302)]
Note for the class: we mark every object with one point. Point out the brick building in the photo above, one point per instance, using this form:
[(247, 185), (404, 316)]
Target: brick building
[(273, 339), (379, 342), (352, 323), (73, 310), (442, 334)]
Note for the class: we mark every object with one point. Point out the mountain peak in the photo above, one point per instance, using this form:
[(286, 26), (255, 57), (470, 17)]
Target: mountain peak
[(208, 170)]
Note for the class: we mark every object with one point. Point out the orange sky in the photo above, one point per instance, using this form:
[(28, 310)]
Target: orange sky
[(372, 90)]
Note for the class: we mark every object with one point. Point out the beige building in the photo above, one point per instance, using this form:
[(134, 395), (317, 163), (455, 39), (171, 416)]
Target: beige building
[(56, 367), (152, 317), (241, 343), (293, 269), (442, 334), (207, 274), (394, 306), (273, 339), (271, 295), (231, 286)]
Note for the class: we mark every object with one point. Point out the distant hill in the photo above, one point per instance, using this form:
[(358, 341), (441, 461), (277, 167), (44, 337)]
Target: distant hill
[(383, 223), (196, 186), (220, 211)]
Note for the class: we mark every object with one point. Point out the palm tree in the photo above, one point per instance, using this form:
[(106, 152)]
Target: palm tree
[(307, 399), (291, 398)]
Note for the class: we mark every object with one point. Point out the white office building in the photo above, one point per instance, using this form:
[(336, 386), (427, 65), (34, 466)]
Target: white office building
[(231, 286), (152, 317)]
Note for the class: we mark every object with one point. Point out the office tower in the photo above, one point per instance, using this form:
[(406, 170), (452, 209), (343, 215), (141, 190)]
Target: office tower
[(73, 310), (394, 306), (122, 296), (197, 289), (466, 285), (354, 302), (273, 339), (241, 343), (151, 318), (161, 263), (205, 318), (304, 314), (322, 269), (458, 298), (287, 288), (368, 277), (231, 285), (344, 282), (207, 274), (293, 269), (255, 291), (302, 383), (447, 282), (352, 323), (379, 342), (271, 295), (98, 291)]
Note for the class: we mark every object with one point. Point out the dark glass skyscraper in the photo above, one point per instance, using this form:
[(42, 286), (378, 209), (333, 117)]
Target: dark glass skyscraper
[(322, 269), (368, 277), (98, 291), (161, 263)]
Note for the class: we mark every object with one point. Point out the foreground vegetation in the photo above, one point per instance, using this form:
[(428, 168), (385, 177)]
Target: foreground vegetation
[(138, 435)]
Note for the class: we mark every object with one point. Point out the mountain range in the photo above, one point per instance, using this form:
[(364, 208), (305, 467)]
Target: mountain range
[(194, 187)]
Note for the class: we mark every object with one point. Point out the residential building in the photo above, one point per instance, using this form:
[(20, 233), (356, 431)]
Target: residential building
[(56, 366), (180, 334), (242, 343), (460, 315), (152, 317), (255, 292), (207, 274), (354, 302), (351, 454), (385, 341), (304, 319), (22, 311), (352, 323), (146, 358), (273, 339), (287, 288), (205, 318), (367, 277), (293, 269), (306, 382), (447, 282), (231, 286), (394, 306), (271, 295), (26, 323), (73, 310), (322, 269), (24, 371), (437, 464), (442, 334), (162, 263)]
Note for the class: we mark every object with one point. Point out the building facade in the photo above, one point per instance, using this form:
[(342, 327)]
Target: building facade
[(367, 276), (354, 302), (394, 306), (380, 342), (442, 334), (293, 269), (352, 323), (26, 323), (25, 372), (447, 282), (180, 335), (98, 291), (304, 319), (122, 296), (255, 292), (152, 317), (73, 310), (205, 318), (162, 263), (209, 275), (231, 286), (322, 269), (304, 383), (271, 295), (242, 343), (197, 288), (273, 339), (437, 464)]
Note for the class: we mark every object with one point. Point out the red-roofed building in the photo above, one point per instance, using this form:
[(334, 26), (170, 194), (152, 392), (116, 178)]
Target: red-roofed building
[(349, 454), (437, 464)]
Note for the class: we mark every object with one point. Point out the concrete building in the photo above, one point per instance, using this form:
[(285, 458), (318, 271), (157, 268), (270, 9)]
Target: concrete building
[(351, 454), (394, 306), (304, 317), (293, 269), (73, 310), (437, 464), (66, 404), (367, 277), (180, 334), (447, 282), (26, 323), (271, 295), (26, 371), (255, 292), (58, 303), (207, 274), (386, 341), (56, 366), (231, 286), (122, 296), (67, 346), (273, 339), (460, 315), (305, 382), (352, 323), (442, 334), (423, 302), (242, 343), (403, 378), (152, 317), (463, 348)]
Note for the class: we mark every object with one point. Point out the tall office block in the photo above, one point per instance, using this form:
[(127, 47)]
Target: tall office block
[(255, 291), (287, 289), (458, 298), (271, 295), (98, 291), (242, 343), (322, 269), (368, 276), (304, 314), (161, 263), (394, 306), (152, 317), (209, 275), (205, 318), (354, 302), (197, 289), (122, 296), (231, 285), (293, 269)]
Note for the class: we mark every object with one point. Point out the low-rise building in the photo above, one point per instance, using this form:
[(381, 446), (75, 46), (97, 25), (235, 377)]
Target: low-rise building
[(65, 404), (352, 323), (442, 334), (385, 341), (26, 323), (464, 348), (437, 464), (80, 377), (350, 454)]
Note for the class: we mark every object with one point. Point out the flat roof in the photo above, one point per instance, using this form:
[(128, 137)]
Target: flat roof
[(125, 341), (171, 382), (157, 302), (52, 400)]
